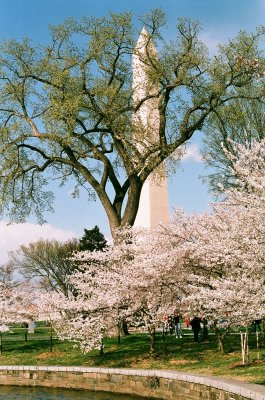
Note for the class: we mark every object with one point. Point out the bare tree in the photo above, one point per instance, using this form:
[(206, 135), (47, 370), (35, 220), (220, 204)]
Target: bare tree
[(47, 262)]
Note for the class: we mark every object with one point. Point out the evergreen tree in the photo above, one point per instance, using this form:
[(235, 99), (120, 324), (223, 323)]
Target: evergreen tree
[(92, 240)]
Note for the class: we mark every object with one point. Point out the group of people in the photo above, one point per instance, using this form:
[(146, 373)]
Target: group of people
[(173, 324)]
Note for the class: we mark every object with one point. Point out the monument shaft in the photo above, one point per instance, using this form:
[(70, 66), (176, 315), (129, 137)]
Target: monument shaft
[(153, 207)]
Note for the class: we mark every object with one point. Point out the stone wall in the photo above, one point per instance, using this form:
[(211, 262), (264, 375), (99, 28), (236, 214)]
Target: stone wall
[(145, 383)]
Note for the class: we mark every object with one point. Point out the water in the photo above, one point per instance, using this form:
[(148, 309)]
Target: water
[(43, 393)]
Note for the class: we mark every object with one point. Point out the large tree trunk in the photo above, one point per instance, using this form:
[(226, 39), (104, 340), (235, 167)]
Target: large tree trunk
[(151, 332), (263, 330), (220, 338), (101, 349), (119, 332), (124, 327), (116, 218)]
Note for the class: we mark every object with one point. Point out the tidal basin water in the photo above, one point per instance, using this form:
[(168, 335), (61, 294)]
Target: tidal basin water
[(43, 393)]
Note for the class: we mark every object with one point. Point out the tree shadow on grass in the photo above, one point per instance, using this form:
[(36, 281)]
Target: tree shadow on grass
[(31, 346), (135, 348)]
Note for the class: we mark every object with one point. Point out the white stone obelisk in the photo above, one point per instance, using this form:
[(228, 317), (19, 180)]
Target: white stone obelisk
[(153, 207)]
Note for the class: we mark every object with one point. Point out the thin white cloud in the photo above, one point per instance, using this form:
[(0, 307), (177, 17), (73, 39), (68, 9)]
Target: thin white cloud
[(192, 153), (14, 235)]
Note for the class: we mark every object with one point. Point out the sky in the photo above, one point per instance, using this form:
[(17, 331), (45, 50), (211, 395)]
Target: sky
[(220, 20)]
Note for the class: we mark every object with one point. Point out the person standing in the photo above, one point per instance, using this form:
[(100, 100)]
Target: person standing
[(165, 324), (177, 324), (257, 323), (171, 324), (196, 327)]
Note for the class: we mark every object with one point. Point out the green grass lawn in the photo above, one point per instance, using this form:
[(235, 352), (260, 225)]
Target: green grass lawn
[(133, 352)]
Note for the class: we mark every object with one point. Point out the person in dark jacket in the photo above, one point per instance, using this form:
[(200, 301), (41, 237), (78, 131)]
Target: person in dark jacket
[(196, 327), (257, 325), (177, 324)]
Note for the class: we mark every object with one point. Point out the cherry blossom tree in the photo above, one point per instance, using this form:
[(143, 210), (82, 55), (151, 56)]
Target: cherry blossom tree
[(226, 247), (49, 307), (131, 279), (211, 264), (16, 306)]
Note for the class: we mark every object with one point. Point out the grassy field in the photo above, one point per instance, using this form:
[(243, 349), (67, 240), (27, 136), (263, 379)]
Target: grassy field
[(133, 352)]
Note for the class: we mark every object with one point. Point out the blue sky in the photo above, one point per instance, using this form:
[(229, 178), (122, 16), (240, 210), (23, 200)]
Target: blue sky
[(220, 19)]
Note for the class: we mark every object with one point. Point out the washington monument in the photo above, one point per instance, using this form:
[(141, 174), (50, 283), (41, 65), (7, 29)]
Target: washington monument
[(153, 206)]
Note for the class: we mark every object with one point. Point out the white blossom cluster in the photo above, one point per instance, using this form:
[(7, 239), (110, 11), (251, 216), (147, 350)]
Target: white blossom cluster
[(208, 264)]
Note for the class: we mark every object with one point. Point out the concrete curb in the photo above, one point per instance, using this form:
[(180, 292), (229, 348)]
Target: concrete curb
[(246, 390)]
